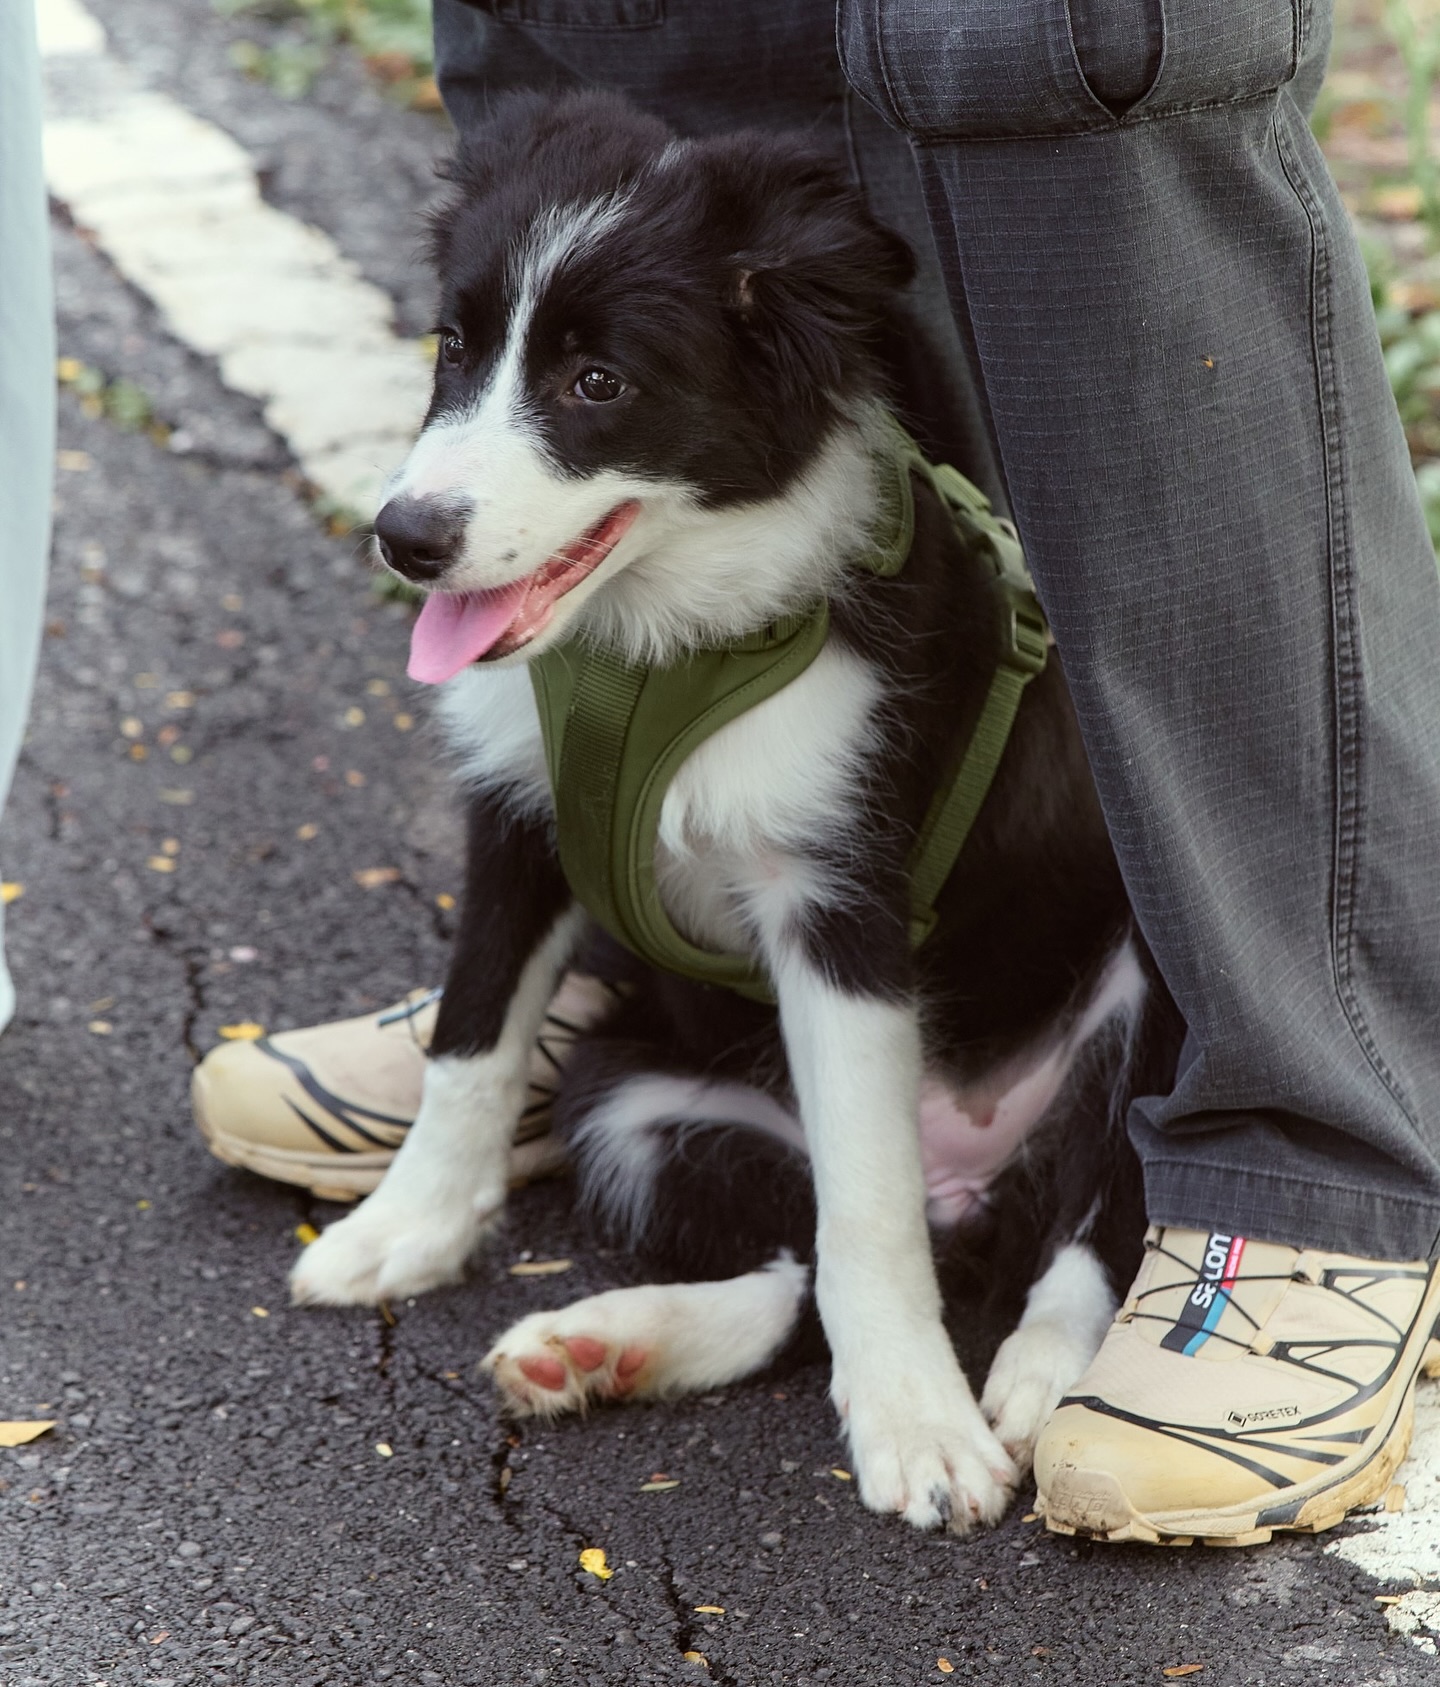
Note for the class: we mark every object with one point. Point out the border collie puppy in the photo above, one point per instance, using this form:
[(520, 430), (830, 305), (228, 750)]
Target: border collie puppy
[(657, 425)]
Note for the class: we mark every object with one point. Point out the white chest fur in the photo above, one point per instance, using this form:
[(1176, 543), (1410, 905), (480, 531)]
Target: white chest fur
[(738, 817)]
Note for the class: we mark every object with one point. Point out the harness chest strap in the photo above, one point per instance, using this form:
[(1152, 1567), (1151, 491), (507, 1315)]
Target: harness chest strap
[(616, 733)]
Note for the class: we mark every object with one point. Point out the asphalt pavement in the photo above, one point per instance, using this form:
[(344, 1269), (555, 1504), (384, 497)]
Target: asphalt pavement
[(236, 1491)]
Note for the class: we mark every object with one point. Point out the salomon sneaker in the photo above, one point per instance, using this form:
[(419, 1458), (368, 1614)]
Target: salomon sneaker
[(328, 1106), (1243, 1388)]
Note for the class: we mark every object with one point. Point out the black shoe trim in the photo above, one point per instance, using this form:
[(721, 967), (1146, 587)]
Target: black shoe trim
[(324, 1135), (331, 1102)]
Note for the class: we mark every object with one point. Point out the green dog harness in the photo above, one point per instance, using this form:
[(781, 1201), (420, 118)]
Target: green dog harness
[(616, 733)]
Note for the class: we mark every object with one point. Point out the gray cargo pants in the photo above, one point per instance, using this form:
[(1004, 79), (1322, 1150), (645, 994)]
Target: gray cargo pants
[(1159, 347)]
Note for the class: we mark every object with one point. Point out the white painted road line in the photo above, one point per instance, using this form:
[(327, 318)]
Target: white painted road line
[(1404, 1546), (175, 205)]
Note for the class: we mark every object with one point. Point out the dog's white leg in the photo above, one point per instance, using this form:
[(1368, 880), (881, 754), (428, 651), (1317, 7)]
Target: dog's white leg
[(666, 1338), (919, 1442), (1067, 1313), (447, 1182)]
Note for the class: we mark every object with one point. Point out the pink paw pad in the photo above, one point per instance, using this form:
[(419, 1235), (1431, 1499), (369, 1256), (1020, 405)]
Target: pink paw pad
[(544, 1371), (627, 1369), (587, 1353)]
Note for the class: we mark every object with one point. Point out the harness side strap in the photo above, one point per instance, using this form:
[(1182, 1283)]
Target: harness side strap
[(958, 802)]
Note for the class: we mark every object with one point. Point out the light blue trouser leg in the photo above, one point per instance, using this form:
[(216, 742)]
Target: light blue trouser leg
[(27, 395)]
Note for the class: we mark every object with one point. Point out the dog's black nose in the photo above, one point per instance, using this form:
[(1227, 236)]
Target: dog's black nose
[(420, 537)]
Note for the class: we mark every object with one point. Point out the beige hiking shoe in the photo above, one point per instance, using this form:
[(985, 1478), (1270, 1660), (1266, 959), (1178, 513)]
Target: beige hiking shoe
[(1243, 1388), (328, 1106)]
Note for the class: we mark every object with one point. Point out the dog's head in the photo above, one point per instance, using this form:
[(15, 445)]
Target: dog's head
[(634, 332)]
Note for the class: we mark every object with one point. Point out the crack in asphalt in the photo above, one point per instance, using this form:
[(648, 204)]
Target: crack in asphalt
[(193, 963)]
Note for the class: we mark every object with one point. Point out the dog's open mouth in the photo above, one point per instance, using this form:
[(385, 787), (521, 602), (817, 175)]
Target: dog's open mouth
[(455, 629)]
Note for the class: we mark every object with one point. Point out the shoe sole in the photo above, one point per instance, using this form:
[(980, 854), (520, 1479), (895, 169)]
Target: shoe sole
[(333, 1178), (1097, 1498)]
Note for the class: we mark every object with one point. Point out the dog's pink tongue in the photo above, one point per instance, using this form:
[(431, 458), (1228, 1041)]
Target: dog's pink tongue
[(455, 629)]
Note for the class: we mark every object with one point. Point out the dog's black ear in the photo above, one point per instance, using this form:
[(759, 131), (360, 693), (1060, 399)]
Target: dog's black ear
[(810, 273)]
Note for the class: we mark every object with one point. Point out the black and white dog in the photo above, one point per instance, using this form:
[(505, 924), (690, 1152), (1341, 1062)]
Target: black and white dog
[(660, 381)]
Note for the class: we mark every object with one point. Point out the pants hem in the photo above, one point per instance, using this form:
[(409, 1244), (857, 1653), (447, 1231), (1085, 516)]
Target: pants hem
[(1370, 1223)]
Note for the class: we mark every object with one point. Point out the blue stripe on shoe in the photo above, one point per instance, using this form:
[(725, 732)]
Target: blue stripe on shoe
[(1212, 1318)]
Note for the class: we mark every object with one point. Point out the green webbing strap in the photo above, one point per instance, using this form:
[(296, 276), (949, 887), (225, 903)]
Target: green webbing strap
[(621, 733), (616, 734), (957, 803)]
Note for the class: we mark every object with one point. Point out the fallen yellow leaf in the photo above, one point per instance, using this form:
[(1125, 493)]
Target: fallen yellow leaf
[(945, 1666), (697, 1658), (68, 369), (540, 1267), (658, 1487), (711, 1610), (100, 1027), (17, 1432), (592, 1561), (1183, 1669), (371, 878), (307, 1233), (385, 1450), (160, 864), (11, 891), (445, 900), (354, 716), (307, 831), (841, 1475), (247, 1031), (260, 1311)]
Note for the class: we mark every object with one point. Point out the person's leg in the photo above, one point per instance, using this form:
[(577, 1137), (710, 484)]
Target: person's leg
[(1174, 332), (1174, 329), (27, 396)]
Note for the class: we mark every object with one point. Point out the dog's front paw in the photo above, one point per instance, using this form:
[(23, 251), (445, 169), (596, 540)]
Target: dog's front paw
[(927, 1453), (1033, 1368), (386, 1250)]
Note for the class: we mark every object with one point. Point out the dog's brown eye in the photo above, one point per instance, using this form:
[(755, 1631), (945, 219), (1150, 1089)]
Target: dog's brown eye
[(599, 386), (452, 347)]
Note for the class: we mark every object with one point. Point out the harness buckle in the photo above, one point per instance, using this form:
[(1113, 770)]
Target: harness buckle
[(1025, 631)]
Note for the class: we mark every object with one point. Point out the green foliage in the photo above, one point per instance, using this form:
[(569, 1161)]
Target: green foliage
[(1410, 340), (1419, 47), (290, 67), (121, 402), (1427, 478), (394, 35)]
